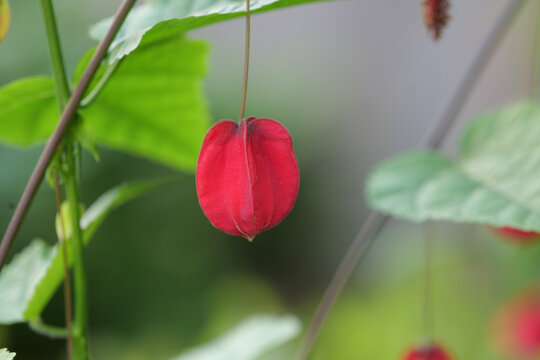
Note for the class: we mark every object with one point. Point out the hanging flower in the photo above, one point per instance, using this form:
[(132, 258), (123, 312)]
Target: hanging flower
[(429, 352), (247, 176)]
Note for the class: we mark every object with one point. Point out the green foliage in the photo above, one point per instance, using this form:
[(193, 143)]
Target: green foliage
[(494, 181), (29, 111), (173, 16), (153, 105), (6, 355), (31, 279), (19, 279), (249, 340)]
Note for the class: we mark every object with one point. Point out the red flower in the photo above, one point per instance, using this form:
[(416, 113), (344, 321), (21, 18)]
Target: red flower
[(516, 235), (247, 176), (516, 326), (430, 352)]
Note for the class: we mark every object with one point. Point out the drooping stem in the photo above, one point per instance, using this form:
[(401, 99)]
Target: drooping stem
[(55, 52), (429, 238), (246, 61), (80, 320), (67, 275), (535, 73), (56, 137), (376, 221)]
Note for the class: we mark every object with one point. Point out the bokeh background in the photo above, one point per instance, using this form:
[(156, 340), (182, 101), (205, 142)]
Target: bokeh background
[(354, 82)]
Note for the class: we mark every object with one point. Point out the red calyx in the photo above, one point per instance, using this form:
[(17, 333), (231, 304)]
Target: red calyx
[(516, 235), (430, 352), (247, 176)]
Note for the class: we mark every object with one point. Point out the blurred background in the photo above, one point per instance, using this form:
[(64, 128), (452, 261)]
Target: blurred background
[(354, 82)]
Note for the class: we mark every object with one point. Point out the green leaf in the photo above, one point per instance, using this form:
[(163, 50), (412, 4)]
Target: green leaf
[(31, 279), (178, 16), (6, 355), (249, 340), (19, 279), (29, 111), (495, 180), (502, 148), (154, 105), (94, 216)]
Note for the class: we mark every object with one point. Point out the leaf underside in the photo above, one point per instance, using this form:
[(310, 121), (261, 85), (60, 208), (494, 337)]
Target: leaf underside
[(248, 340), (494, 181), (177, 17)]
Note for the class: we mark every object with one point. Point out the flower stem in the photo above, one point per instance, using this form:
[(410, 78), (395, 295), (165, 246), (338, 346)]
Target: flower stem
[(80, 319), (246, 62), (429, 239)]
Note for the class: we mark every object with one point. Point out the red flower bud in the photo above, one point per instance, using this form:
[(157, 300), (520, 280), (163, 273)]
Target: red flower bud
[(430, 352), (516, 326), (516, 235), (436, 16), (247, 176)]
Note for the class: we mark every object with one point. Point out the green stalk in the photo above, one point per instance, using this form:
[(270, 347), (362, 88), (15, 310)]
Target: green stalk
[(62, 87), (51, 331), (63, 94), (80, 319)]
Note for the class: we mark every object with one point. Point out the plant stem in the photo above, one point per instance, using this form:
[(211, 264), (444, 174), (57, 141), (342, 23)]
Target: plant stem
[(429, 238), (101, 84), (48, 330), (56, 137), (246, 62), (67, 276), (376, 220), (62, 94), (80, 320), (535, 77), (62, 88)]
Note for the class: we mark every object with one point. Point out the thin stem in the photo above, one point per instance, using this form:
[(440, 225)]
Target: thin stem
[(246, 61), (80, 321), (375, 220), (429, 238), (55, 52), (67, 276), (56, 137), (535, 78), (51, 331), (101, 84)]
